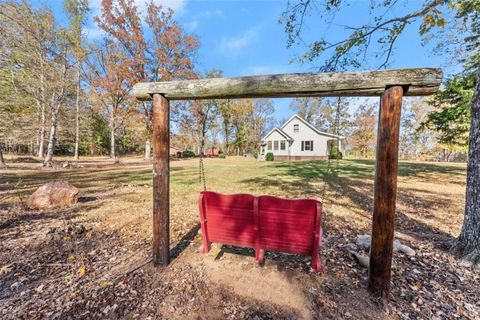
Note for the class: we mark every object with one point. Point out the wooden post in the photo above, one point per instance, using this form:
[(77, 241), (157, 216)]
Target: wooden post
[(161, 168), (385, 191)]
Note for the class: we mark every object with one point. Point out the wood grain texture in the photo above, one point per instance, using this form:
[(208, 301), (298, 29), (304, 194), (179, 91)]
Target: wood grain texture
[(161, 176), (385, 192), (420, 82)]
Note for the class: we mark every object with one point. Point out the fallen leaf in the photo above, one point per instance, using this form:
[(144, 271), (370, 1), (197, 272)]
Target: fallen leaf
[(5, 269), (81, 271), (104, 283)]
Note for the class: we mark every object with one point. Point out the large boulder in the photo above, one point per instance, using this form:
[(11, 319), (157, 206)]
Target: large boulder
[(53, 194)]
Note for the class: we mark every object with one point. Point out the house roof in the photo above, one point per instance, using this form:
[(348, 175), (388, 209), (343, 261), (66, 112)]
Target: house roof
[(280, 131), (311, 127)]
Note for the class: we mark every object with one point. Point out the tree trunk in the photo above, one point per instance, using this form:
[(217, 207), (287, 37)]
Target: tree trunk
[(227, 134), (148, 149), (112, 134), (41, 135), (77, 113), (53, 135), (469, 242), (2, 161)]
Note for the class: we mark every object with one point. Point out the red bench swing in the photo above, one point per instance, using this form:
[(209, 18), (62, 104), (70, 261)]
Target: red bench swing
[(262, 223)]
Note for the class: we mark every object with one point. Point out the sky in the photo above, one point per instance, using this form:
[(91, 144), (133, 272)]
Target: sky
[(245, 38)]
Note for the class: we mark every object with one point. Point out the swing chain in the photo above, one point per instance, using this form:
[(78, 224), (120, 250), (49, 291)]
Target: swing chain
[(201, 170), (329, 163)]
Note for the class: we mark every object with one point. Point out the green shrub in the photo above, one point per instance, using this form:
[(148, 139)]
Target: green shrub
[(255, 154), (222, 155), (335, 153), (269, 156), (188, 154)]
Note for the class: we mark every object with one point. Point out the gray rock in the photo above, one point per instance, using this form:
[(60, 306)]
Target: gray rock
[(407, 250), (364, 241), (364, 260), (396, 245), (53, 194)]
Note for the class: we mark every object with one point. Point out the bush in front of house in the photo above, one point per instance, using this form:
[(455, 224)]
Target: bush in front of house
[(188, 154), (335, 153), (269, 157)]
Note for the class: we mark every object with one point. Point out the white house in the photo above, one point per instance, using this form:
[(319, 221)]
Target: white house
[(297, 139)]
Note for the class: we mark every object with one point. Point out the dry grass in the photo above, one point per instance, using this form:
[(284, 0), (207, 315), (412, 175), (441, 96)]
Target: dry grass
[(115, 205)]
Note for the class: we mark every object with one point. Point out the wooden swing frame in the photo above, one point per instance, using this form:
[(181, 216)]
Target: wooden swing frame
[(389, 85)]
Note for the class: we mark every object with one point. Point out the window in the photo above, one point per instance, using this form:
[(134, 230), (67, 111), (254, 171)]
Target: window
[(307, 145), (295, 128), (269, 145), (275, 145), (282, 145)]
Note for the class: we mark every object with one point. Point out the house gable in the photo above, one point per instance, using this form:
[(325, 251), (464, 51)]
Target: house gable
[(279, 131), (296, 116)]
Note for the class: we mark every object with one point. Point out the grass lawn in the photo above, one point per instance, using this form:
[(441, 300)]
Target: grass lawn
[(105, 271)]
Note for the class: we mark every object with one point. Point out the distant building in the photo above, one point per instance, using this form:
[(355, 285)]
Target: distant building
[(175, 152), (212, 152), (297, 139)]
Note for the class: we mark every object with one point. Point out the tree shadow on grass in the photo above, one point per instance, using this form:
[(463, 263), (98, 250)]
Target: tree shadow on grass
[(310, 176)]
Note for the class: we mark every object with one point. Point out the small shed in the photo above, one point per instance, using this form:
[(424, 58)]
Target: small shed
[(175, 152), (212, 152)]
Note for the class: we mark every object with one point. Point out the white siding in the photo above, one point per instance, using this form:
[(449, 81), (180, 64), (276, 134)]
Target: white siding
[(305, 133), (276, 136)]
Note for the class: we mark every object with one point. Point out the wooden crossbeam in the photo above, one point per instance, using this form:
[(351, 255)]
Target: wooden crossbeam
[(417, 82)]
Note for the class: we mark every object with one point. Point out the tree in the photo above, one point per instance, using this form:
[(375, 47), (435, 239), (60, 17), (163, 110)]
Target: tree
[(260, 120), (37, 52), (111, 80), (59, 95), (29, 50), (328, 120), (225, 114), (451, 117), (159, 49), (77, 10), (416, 141), (307, 108), (353, 51), (2, 161), (363, 133)]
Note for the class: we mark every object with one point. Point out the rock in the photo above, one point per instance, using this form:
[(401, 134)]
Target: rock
[(396, 245), (364, 260), (407, 250), (465, 263), (363, 241), (53, 194)]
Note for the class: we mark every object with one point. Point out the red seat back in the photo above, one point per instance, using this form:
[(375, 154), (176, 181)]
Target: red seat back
[(287, 225), (229, 218)]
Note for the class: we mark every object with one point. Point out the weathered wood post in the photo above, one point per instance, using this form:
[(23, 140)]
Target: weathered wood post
[(385, 193), (161, 175)]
